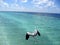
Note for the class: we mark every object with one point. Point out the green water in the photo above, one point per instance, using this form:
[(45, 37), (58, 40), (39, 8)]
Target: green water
[(13, 27)]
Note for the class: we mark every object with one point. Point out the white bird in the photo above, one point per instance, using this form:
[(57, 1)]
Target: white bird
[(32, 34)]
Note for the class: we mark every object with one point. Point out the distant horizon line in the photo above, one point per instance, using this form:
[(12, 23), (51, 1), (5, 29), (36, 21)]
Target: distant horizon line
[(31, 12)]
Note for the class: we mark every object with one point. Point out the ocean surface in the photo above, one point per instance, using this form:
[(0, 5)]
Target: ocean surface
[(14, 25)]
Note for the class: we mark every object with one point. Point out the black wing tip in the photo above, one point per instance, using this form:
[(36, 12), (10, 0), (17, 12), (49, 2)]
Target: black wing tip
[(27, 36), (38, 33)]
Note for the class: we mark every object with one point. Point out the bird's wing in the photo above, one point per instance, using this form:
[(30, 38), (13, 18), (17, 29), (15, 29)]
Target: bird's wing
[(38, 33), (27, 36)]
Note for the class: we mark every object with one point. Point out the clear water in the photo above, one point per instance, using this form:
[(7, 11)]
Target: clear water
[(14, 25)]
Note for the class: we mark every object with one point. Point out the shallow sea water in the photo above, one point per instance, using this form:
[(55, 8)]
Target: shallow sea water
[(14, 25)]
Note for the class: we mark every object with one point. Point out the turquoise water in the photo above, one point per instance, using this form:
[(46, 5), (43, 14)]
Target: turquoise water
[(14, 25)]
